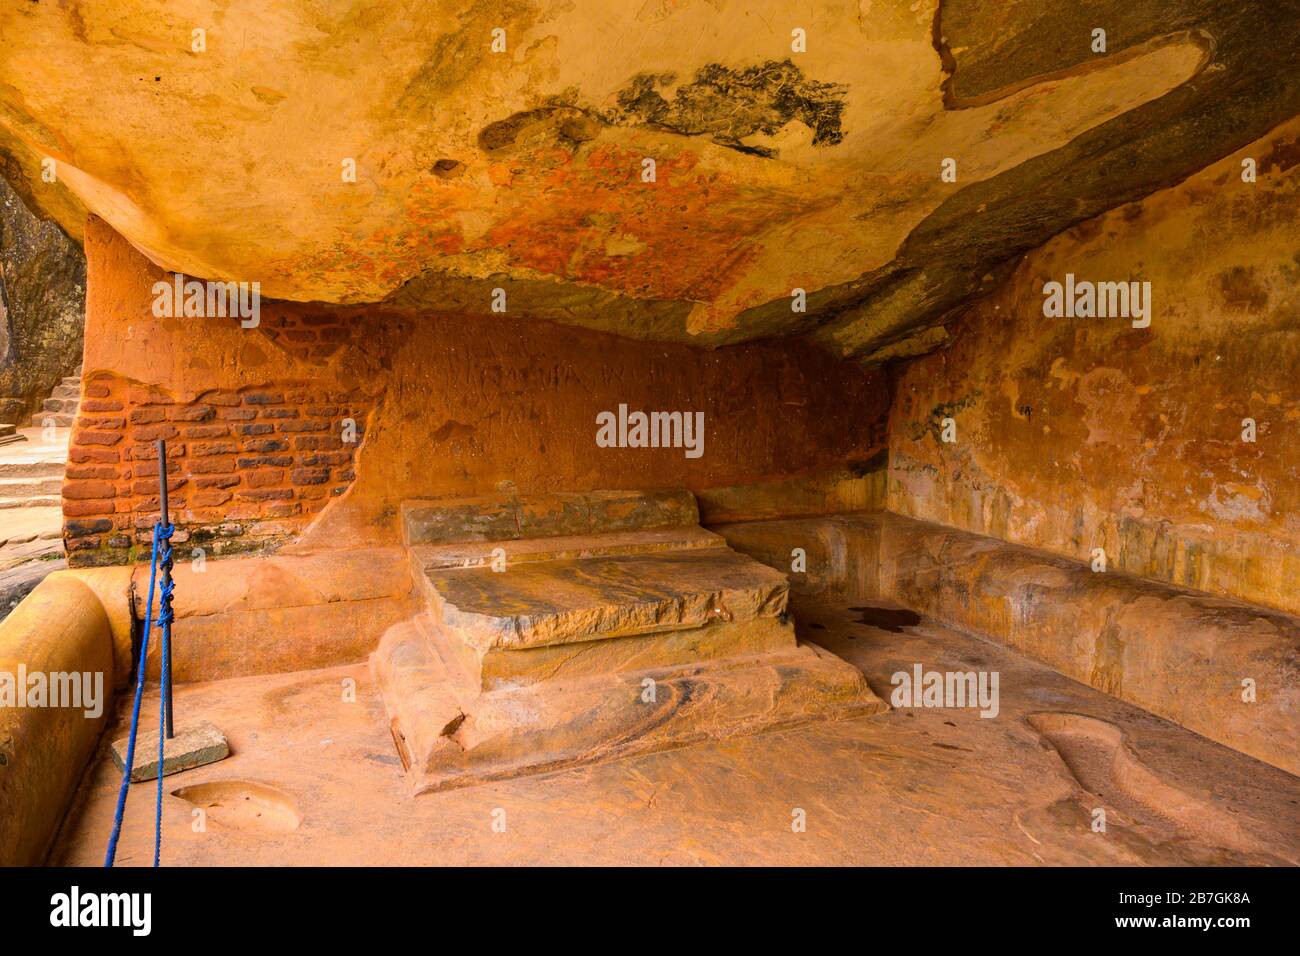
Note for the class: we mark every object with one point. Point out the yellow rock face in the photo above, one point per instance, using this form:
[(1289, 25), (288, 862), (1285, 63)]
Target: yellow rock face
[(654, 168)]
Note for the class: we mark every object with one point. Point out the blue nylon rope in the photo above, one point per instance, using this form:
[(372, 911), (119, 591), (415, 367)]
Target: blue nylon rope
[(165, 622), (135, 710)]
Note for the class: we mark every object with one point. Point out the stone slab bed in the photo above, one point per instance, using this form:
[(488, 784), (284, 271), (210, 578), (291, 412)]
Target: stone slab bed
[(1180, 654), (547, 642)]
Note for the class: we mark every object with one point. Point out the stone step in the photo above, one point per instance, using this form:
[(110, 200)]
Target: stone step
[(26, 537), (72, 380), (55, 419), (39, 501), (67, 391), (31, 486), (24, 525), (66, 405), (591, 598), (33, 468)]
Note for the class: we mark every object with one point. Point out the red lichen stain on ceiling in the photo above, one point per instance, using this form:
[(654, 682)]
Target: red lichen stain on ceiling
[(585, 217)]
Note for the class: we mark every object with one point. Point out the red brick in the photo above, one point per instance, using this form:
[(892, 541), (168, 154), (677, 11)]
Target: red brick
[(220, 398), (211, 466), (274, 461), (150, 504), (91, 471), (153, 432), (84, 437), (82, 489), (279, 413), (283, 510), (216, 481), (236, 414), (263, 398), (100, 455), (317, 442), (210, 498), (257, 429), (265, 478), (81, 527), (191, 413), (99, 405), (91, 506), (147, 416), (146, 487), (97, 390), (207, 448), (149, 452), (266, 444), (327, 458), (103, 424), (82, 544), (265, 494), (310, 476), (205, 431), (303, 426)]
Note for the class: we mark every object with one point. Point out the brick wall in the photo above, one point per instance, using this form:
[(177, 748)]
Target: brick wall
[(247, 469), (310, 337)]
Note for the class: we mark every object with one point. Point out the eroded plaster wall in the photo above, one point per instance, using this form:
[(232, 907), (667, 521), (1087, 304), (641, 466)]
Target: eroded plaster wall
[(1080, 433), (443, 405)]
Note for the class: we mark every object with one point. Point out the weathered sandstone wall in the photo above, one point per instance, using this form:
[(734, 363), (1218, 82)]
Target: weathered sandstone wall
[(1080, 433), (257, 419)]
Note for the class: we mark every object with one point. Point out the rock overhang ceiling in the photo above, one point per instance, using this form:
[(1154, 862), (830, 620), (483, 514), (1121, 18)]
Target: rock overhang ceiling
[(774, 169)]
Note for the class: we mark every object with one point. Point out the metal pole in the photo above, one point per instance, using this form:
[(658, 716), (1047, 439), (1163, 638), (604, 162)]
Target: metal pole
[(164, 611)]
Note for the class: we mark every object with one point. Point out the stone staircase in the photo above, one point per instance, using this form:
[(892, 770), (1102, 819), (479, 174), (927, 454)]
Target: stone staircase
[(573, 628), (31, 474), (31, 511), (60, 409)]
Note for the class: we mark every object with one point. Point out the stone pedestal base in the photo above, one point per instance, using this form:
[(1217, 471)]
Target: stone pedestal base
[(568, 629), (450, 736)]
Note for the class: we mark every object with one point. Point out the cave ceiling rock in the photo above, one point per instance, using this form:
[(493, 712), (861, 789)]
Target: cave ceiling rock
[(522, 169)]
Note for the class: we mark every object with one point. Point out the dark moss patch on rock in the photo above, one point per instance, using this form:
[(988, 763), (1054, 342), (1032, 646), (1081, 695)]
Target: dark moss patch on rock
[(729, 105)]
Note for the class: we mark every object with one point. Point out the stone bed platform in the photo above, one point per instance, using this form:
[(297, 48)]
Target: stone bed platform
[(547, 641)]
